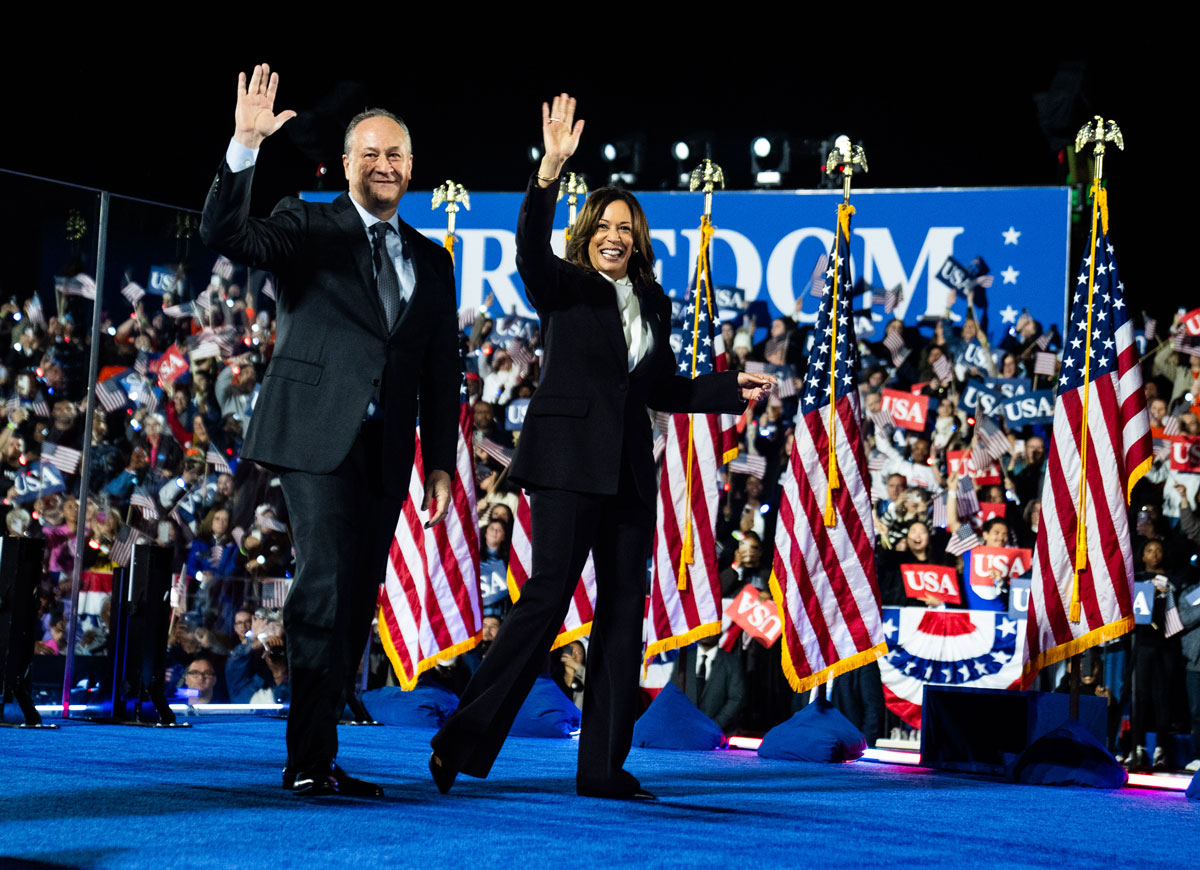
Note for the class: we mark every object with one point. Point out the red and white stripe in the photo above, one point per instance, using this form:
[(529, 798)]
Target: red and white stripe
[(578, 621), (429, 607), (824, 577), (679, 617), (1119, 449)]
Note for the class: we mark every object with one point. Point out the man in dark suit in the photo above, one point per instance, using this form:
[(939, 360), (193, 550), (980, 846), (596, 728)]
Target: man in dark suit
[(366, 324), (712, 680)]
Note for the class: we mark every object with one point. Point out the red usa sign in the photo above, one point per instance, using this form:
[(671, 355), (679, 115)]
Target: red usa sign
[(908, 411), (171, 365), (1192, 321), (989, 509), (1007, 562), (961, 463), (759, 619), (931, 581), (1185, 453)]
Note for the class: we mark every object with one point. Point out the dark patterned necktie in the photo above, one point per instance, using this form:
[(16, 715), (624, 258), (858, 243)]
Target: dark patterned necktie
[(386, 280), (701, 679)]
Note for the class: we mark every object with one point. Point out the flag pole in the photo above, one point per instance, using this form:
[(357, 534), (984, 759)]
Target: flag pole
[(1096, 133), (843, 158), (452, 194), (706, 177), (576, 187)]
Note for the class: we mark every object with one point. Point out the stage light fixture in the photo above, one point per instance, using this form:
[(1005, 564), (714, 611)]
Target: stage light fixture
[(624, 158), (770, 159), (534, 153), (681, 151)]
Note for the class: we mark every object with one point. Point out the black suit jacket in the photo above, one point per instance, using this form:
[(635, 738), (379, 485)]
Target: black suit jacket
[(589, 410), (724, 688), (332, 347)]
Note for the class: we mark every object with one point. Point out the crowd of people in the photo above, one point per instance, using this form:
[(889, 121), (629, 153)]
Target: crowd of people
[(166, 438)]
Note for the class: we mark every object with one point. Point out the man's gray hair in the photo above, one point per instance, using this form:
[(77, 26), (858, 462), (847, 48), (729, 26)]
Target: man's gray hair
[(374, 113)]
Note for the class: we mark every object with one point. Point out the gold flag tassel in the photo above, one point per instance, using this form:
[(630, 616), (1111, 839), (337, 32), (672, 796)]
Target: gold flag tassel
[(703, 285), (843, 230), (1099, 215)]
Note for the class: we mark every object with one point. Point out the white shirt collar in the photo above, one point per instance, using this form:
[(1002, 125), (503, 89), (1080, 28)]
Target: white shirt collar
[(624, 286), (369, 220)]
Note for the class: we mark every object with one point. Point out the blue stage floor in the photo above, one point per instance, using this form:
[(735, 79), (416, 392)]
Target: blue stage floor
[(106, 796)]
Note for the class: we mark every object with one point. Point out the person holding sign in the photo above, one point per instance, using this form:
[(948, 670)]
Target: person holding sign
[(586, 457)]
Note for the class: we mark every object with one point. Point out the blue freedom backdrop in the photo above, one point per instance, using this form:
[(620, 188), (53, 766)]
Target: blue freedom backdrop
[(767, 242)]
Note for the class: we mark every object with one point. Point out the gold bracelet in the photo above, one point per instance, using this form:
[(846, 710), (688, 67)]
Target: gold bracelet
[(547, 180)]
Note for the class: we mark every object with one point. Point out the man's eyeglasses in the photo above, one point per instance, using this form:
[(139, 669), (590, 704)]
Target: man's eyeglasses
[(206, 674)]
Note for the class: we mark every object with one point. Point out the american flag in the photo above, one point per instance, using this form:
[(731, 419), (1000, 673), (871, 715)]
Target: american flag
[(1042, 342), (1184, 343), (990, 442), (522, 357), (35, 312), (1151, 326), (1170, 425), (121, 548), (66, 459), (429, 607), (892, 298), (884, 424), (219, 463), (134, 292), (660, 447), (942, 368), (81, 285), (466, 317), (223, 268), (111, 395), (963, 539), (817, 281), (185, 309), (1082, 590), (145, 502), (685, 592), (966, 503), (823, 577), (204, 303), (578, 621), (268, 288), (785, 387), (894, 342), (1044, 363), (1161, 448), (501, 454), (984, 281), (755, 466)]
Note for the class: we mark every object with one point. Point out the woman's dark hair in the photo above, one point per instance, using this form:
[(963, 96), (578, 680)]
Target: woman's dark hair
[(205, 529), (641, 260)]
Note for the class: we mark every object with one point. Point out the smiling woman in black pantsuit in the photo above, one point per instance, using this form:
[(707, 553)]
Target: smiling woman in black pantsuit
[(586, 459)]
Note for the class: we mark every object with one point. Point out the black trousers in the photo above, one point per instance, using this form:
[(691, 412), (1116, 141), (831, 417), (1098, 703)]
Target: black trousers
[(342, 526), (618, 529)]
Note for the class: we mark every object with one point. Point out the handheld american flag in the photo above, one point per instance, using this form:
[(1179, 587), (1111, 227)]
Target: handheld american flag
[(429, 607), (823, 578), (1082, 590), (685, 592)]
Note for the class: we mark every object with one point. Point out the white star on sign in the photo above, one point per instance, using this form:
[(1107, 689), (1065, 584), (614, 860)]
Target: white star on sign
[(965, 671), (1010, 275), (1007, 627), (1009, 314), (1011, 236)]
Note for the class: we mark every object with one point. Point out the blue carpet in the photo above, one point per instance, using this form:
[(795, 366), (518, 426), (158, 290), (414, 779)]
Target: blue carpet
[(209, 797)]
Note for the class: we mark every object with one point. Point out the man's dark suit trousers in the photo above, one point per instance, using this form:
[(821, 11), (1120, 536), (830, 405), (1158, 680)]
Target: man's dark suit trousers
[(566, 525), (342, 526)]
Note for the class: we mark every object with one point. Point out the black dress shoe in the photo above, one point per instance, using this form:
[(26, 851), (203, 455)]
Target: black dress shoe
[(442, 773), (334, 781), (624, 788)]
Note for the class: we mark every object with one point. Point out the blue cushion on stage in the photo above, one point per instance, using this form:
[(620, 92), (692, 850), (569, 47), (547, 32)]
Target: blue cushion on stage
[(426, 706), (673, 722), (1193, 789), (817, 733), (1069, 755), (547, 712)]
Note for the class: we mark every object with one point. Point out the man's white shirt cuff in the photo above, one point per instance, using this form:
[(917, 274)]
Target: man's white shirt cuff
[(239, 157)]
